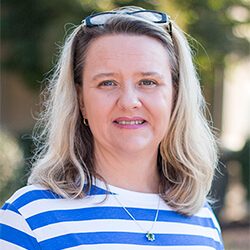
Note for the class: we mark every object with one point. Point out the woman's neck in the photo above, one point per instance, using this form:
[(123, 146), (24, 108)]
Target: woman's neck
[(135, 172)]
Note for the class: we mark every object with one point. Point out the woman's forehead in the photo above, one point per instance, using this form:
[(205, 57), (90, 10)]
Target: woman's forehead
[(138, 51)]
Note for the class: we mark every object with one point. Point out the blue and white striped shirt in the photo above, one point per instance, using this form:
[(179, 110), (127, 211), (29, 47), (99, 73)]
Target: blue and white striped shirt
[(37, 218)]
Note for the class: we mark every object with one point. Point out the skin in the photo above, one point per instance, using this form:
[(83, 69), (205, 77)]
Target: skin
[(127, 80)]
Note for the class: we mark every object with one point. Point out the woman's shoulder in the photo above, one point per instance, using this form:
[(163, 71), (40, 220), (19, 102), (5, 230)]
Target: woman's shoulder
[(28, 194)]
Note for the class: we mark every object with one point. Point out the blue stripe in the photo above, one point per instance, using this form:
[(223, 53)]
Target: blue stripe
[(114, 213), (8, 206), (94, 190), (5, 206), (17, 237), (72, 240), (34, 195)]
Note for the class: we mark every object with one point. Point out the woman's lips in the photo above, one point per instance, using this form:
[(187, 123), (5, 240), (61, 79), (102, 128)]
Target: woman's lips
[(130, 123)]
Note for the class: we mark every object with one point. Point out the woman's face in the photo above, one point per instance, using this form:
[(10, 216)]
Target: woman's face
[(127, 93)]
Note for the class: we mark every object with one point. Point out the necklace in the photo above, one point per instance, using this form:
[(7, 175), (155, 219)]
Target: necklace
[(148, 234)]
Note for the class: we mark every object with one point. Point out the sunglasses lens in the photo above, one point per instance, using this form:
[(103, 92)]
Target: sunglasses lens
[(150, 16), (101, 18)]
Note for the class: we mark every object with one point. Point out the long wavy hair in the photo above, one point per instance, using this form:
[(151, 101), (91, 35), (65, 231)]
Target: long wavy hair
[(187, 156)]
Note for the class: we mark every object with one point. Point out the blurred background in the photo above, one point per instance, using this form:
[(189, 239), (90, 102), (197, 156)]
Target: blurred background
[(33, 30)]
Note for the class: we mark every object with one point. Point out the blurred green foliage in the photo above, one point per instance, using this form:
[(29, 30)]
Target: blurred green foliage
[(10, 160), (213, 25), (30, 29)]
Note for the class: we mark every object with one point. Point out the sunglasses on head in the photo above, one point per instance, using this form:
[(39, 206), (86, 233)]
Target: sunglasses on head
[(101, 18)]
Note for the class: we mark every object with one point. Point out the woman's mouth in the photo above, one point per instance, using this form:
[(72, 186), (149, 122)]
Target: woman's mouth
[(125, 122), (130, 122)]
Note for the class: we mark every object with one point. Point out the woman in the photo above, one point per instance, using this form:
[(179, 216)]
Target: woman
[(128, 156)]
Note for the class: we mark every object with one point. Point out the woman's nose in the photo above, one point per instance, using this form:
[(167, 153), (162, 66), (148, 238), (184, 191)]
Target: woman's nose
[(129, 98)]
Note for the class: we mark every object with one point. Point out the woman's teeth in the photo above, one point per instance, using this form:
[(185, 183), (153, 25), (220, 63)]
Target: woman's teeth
[(129, 122)]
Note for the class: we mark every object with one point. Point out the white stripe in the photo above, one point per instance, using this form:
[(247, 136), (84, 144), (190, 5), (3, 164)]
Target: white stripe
[(137, 247), (62, 228), (46, 205), (4, 245), (204, 213), (215, 221), (14, 220)]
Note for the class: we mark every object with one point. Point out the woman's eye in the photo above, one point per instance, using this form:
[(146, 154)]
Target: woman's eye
[(149, 83), (107, 84)]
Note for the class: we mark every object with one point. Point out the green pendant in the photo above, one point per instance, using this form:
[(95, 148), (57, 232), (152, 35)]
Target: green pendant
[(150, 236)]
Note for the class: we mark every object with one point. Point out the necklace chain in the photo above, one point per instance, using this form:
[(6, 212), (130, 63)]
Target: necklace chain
[(149, 235)]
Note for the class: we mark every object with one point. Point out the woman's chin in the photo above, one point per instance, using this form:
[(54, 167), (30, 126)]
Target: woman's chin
[(131, 146)]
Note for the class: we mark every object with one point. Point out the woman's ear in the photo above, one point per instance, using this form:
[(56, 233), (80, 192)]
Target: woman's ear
[(79, 91)]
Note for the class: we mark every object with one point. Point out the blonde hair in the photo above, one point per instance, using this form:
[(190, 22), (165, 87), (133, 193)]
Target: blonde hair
[(187, 155)]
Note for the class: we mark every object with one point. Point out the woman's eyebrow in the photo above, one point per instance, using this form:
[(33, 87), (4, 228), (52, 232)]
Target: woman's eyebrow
[(141, 74), (150, 73), (102, 75)]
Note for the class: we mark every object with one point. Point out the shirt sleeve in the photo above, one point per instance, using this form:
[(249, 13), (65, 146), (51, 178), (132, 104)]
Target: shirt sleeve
[(15, 232)]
